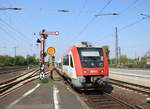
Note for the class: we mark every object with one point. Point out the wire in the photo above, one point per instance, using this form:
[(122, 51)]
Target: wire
[(105, 6), (8, 35), (124, 27), (82, 8), (132, 4), (16, 39), (129, 25), (18, 32), (86, 26), (93, 18)]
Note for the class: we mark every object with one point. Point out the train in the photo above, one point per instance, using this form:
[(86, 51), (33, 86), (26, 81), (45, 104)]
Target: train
[(85, 66)]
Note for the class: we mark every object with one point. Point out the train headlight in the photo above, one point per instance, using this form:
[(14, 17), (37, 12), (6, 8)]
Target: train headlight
[(102, 71)]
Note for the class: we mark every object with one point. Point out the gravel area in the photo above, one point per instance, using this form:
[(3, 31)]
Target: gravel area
[(131, 97), (6, 76)]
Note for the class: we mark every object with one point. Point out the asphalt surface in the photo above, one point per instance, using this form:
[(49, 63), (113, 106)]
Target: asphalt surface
[(55, 95), (130, 72)]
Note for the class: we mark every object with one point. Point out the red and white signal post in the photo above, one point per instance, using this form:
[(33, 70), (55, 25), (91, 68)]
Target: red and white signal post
[(43, 36)]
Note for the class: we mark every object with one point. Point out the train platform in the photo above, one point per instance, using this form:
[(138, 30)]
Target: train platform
[(140, 77), (52, 95)]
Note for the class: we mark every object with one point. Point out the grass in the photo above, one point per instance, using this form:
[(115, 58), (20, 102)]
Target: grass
[(46, 80)]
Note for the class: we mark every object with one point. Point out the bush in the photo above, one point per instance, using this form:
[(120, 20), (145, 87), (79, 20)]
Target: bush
[(130, 65), (6, 60), (147, 66), (19, 60)]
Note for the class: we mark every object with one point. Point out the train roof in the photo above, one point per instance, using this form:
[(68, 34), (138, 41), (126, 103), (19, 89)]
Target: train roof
[(86, 44)]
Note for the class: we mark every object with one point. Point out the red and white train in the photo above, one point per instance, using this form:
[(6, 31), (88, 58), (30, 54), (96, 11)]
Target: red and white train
[(85, 66)]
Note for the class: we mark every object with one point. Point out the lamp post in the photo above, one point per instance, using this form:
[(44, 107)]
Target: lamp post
[(104, 14), (10, 8), (63, 10), (145, 16)]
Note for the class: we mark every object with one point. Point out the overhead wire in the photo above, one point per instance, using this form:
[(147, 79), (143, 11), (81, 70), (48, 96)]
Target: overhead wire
[(83, 7), (8, 39), (130, 6), (131, 24), (92, 19), (17, 31), (8, 31), (12, 37)]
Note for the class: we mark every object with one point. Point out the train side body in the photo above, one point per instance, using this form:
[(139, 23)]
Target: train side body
[(86, 67)]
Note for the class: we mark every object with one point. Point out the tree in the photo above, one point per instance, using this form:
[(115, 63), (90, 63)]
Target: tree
[(107, 51), (19, 60), (30, 59), (6, 60), (123, 59)]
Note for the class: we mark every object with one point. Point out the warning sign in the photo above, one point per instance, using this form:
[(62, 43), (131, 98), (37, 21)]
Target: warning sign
[(51, 50)]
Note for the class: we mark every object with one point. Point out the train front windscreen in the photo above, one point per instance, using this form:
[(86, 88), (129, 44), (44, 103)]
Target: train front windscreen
[(91, 57)]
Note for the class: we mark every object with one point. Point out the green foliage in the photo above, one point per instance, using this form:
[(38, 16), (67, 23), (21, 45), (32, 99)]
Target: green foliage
[(123, 59), (30, 59), (130, 65), (147, 66), (6, 60), (107, 51), (18, 60)]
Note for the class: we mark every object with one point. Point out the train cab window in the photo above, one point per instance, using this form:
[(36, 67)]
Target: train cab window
[(71, 62), (91, 57), (66, 60)]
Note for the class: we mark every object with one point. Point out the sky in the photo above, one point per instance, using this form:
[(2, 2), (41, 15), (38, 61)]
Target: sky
[(17, 28)]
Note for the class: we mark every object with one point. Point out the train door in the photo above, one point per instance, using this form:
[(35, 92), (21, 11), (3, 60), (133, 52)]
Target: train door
[(66, 63), (71, 66)]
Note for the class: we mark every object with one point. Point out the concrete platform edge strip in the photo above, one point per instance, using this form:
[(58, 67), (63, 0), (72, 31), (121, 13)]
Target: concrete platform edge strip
[(23, 96), (55, 97), (84, 105)]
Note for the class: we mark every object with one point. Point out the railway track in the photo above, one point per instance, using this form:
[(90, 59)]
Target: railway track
[(97, 99), (9, 85), (13, 69), (135, 87), (102, 100)]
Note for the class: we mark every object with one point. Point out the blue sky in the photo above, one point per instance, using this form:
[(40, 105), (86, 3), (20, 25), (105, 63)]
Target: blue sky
[(17, 28)]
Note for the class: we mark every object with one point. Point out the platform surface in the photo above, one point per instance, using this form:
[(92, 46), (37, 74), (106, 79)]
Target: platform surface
[(55, 95)]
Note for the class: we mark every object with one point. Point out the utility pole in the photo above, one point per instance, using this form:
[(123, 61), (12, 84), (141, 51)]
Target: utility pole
[(15, 51), (119, 52), (116, 43), (43, 36)]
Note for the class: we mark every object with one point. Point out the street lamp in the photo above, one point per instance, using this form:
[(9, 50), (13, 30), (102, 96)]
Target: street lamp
[(145, 16), (103, 14), (63, 10), (10, 8)]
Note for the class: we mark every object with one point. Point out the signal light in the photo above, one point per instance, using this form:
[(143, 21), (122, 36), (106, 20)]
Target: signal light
[(38, 41)]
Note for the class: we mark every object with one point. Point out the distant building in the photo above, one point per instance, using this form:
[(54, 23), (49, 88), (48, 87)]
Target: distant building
[(147, 57), (147, 61)]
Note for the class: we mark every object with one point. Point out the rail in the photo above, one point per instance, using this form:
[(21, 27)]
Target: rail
[(131, 86), (9, 85)]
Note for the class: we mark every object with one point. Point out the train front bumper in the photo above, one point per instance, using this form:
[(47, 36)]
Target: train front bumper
[(82, 83)]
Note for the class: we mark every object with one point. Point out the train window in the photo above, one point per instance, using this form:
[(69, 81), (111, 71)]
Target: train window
[(66, 60), (71, 62), (91, 57)]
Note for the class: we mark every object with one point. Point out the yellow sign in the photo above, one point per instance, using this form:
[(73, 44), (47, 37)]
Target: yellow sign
[(51, 50)]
